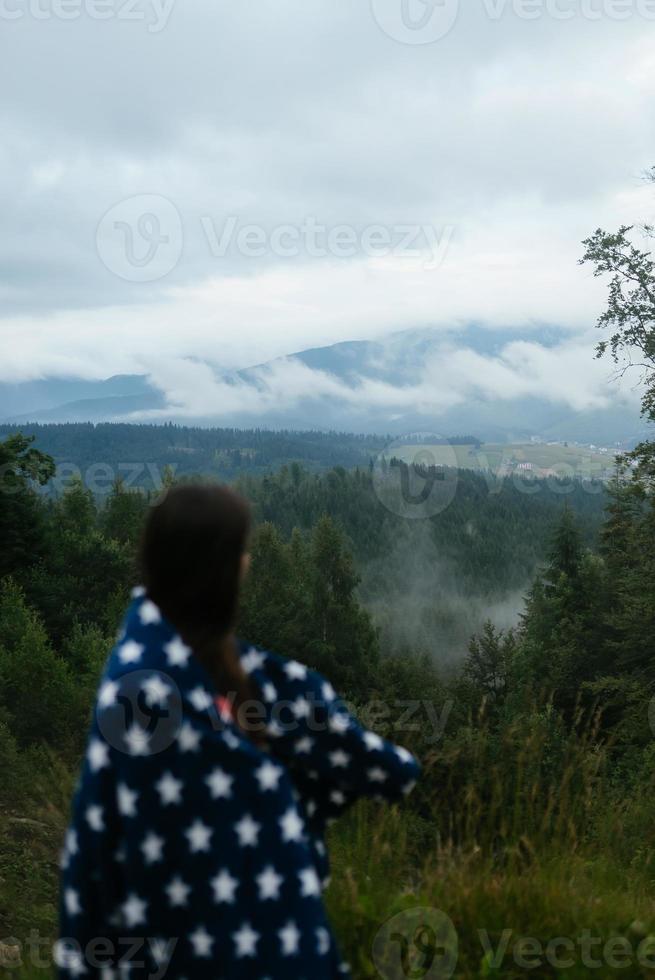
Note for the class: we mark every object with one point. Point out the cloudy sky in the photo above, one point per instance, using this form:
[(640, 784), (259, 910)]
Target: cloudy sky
[(233, 181)]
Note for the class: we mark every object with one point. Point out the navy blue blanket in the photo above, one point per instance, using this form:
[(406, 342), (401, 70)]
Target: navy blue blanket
[(192, 852)]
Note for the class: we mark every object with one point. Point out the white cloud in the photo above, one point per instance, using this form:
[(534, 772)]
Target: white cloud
[(558, 374), (522, 135)]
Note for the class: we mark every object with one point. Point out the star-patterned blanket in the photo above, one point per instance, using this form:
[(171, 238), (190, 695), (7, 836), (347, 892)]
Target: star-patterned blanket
[(192, 851)]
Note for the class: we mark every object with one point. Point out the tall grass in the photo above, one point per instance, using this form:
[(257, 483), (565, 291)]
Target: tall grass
[(519, 832)]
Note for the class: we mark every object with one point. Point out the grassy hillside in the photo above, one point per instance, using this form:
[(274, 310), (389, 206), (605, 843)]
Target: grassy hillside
[(524, 459)]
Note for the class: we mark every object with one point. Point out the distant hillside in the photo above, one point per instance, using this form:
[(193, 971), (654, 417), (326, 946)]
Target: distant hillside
[(140, 453), (394, 364)]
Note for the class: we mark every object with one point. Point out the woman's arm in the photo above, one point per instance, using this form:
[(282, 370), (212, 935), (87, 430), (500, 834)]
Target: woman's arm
[(311, 730)]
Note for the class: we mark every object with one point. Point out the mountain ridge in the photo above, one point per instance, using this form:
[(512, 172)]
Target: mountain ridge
[(396, 362)]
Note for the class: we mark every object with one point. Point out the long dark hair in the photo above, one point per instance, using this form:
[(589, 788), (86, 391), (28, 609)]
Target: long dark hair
[(191, 556)]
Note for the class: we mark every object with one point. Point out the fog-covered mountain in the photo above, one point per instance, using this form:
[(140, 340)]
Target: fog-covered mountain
[(413, 380)]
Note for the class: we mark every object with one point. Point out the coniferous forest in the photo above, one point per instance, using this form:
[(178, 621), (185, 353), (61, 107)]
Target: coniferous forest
[(535, 811), (531, 835)]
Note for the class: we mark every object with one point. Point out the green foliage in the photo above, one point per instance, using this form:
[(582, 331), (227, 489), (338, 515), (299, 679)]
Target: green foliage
[(299, 598), (630, 316), (38, 693), (124, 514), (488, 667), (537, 750), (21, 519), (140, 454), (76, 511)]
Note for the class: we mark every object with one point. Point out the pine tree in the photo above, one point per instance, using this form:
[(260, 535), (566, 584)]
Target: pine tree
[(76, 511), (488, 665), (22, 516), (124, 514)]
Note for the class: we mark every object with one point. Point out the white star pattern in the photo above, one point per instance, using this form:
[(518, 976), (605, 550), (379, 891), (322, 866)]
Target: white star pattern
[(247, 831), (339, 723), (301, 708), (97, 754), (200, 699), (220, 784), (252, 660), (152, 848), (268, 776), (376, 775), (72, 902), (198, 835), (337, 797), (373, 741), (224, 885), (310, 885), (177, 652), (269, 692), (245, 940), (137, 740), (94, 818), (274, 729), (68, 959), (149, 613), (403, 754), (178, 892), (323, 941), (107, 694), (126, 799), (68, 850), (329, 694), (156, 691), (202, 942), (161, 951), (303, 745), (269, 882), (230, 739), (295, 671), (169, 789), (188, 738), (292, 825), (137, 592), (289, 938), (134, 911), (339, 758), (130, 652)]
